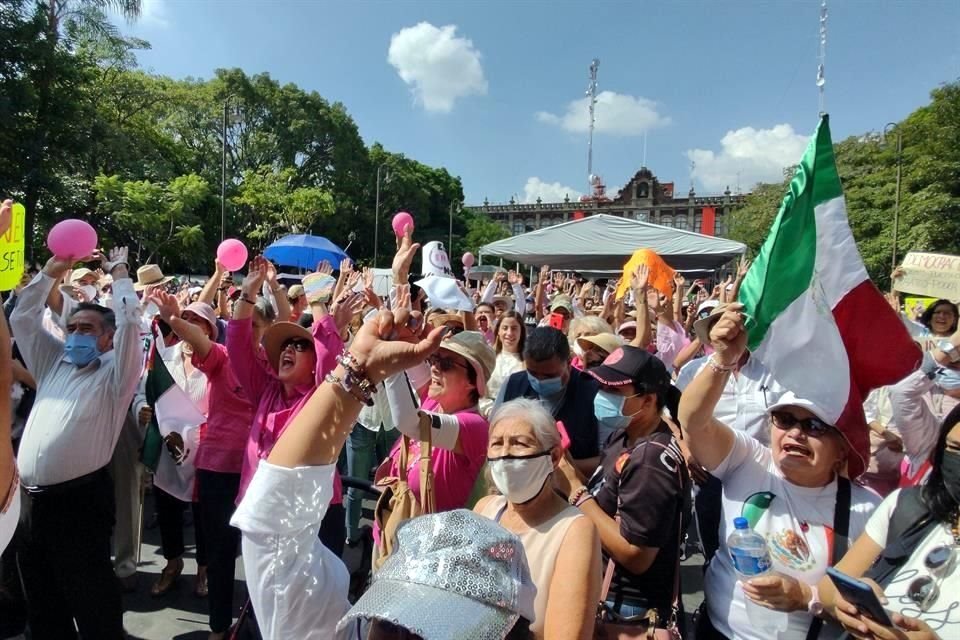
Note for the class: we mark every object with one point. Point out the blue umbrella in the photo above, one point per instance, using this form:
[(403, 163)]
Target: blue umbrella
[(304, 251)]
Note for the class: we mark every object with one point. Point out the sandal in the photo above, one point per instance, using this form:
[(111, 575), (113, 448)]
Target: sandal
[(168, 579)]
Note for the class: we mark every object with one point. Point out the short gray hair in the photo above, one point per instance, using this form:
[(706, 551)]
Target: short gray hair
[(589, 325), (532, 412)]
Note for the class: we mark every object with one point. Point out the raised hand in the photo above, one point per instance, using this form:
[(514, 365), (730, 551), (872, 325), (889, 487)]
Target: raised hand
[(514, 278), (271, 271), (256, 275), (353, 279), (325, 268), (679, 280), (728, 336), (390, 343), (345, 308), (404, 257), (167, 305), (641, 278), (367, 278), (544, 275), (346, 267), (116, 264), (6, 215), (743, 266)]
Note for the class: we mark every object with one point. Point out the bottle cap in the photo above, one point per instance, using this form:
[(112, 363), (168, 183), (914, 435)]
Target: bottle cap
[(741, 523)]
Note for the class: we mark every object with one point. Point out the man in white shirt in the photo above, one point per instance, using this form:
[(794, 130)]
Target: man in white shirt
[(84, 387)]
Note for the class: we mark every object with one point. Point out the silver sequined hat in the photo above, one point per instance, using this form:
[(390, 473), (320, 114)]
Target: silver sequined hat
[(453, 575)]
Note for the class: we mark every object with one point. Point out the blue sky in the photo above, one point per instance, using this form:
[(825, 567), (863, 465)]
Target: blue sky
[(494, 91)]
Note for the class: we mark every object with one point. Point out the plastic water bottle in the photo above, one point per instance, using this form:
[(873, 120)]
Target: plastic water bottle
[(751, 559)]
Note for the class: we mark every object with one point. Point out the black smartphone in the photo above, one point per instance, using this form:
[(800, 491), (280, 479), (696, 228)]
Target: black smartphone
[(861, 595)]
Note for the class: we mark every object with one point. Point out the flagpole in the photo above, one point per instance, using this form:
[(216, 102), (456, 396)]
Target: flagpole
[(822, 57)]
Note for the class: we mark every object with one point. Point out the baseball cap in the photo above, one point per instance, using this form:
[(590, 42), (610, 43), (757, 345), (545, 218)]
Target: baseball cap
[(562, 301), (454, 574), (632, 365), (473, 347), (277, 334), (295, 291), (855, 432), (78, 274)]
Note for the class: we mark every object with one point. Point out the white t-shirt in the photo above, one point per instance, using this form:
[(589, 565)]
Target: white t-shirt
[(10, 512), (797, 523), (943, 614)]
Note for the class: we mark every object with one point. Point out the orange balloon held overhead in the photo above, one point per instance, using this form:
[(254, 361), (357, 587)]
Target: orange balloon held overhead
[(661, 275)]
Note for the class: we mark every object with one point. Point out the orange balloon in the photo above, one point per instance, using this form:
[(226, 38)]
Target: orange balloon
[(661, 275)]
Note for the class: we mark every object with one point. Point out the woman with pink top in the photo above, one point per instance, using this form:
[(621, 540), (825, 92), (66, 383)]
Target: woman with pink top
[(280, 375), (220, 453)]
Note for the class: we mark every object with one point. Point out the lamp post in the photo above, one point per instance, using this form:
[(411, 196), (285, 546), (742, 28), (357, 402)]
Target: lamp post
[(223, 169), (450, 236), (376, 215), (892, 126)]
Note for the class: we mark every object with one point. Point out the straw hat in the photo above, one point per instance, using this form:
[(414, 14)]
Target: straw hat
[(150, 275), (277, 334), (473, 347)]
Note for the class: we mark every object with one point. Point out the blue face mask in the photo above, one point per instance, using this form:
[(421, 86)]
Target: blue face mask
[(608, 408), (546, 389), (81, 349)]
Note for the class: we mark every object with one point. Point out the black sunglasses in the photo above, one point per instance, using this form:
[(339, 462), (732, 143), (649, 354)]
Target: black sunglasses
[(299, 345), (813, 427), (444, 363)]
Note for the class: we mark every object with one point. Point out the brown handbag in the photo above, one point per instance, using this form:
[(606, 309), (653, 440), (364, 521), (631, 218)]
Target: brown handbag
[(607, 629), (397, 503)]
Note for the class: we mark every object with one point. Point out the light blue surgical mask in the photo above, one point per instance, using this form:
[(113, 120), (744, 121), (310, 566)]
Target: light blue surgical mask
[(608, 408), (81, 349), (546, 389)]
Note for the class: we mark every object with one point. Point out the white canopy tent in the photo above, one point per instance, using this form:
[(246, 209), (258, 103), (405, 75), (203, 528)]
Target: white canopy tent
[(601, 244)]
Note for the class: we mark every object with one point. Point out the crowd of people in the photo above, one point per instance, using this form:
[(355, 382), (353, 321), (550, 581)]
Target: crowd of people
[(540, 462)]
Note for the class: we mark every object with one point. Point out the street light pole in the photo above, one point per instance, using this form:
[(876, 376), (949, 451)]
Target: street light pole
[(223, 175), (450, 236), (896, 198), (376, 217)]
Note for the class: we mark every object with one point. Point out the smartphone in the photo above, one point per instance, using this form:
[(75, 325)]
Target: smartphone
[(556, 321), (861, 595), (564, 436)]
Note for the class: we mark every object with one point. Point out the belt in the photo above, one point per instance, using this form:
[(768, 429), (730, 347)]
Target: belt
[(61, 488)]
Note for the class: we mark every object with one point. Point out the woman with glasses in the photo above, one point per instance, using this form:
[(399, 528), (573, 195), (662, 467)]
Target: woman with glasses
[(791, 492), (279, 375), (911, 547)]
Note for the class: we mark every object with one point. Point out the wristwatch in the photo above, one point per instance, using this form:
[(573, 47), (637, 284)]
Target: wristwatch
[(814, 607), (951, 352)]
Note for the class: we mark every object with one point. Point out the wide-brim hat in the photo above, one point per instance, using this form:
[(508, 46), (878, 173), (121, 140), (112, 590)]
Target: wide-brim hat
[(629, 324), (606, 341), (150, 275), (77, 274), (475, 349), (277, 334), (701, 328), (855, 432), (206, 312)]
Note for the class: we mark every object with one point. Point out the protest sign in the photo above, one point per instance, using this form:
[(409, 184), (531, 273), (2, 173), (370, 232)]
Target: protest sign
[(935, 275), (11, 250)]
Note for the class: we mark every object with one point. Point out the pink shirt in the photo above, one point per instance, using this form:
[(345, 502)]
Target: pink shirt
[(228, 417), (670, 341), (274, 408), (454, 474)]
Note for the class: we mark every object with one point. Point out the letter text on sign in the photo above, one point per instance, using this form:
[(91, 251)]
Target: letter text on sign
[(930, 274), (11, 250)]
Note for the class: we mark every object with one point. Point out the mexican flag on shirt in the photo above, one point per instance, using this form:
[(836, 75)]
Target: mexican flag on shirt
[(174, 430), (814, 318)]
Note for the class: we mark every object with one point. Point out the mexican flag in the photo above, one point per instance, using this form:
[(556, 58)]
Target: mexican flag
[(172, 437), (813, 316)]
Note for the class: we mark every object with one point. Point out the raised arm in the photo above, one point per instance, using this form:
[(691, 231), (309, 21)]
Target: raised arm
[(214, 284), (519, 297), (249, 370), (127, 345), (279, 292), (40, 350), (710, 440), (188, 332), (641, 277)]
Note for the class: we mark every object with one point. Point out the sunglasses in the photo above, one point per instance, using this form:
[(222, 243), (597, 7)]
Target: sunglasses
[(925, 590), (813, 427), (299, 345), (444, 363)]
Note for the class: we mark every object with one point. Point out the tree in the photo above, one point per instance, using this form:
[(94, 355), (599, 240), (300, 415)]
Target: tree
[(276, 207), (481, 230)]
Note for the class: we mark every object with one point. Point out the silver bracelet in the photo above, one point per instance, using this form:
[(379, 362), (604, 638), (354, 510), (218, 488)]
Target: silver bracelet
[(718, 366)]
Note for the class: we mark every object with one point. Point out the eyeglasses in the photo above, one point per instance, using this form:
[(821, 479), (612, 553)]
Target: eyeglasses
[(925, 590), (813, 427), (444, 363), (299, 345)]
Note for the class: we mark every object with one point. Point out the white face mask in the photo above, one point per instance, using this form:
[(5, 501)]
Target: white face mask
[(578, 350), (521, 478), (89, 292)]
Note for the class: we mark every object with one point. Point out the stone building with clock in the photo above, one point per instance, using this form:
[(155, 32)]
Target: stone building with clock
[(643, 198)]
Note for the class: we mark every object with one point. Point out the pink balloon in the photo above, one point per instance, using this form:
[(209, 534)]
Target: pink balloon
[(468, 260), (72, 239), (401, 222), (232, 254)]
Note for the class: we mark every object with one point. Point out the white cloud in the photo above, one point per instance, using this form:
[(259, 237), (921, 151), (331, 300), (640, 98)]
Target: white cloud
[(439, 66), (616, 114), (547, 191), (758, 155)]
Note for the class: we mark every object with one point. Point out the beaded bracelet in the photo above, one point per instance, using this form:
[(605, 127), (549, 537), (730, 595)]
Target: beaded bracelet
[(348, 383), (575, 496), (718, 366), (356, 377)]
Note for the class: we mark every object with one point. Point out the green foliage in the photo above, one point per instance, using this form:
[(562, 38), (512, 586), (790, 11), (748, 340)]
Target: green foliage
[(929, 218), (481, 230), (276, 207)]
